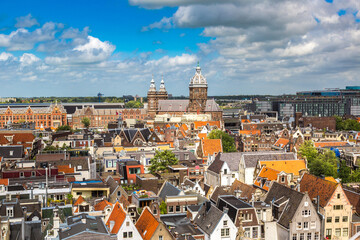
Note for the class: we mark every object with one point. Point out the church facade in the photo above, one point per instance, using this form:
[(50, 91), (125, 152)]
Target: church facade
[(198, 102)]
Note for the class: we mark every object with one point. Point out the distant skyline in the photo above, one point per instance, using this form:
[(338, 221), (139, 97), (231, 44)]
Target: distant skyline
[(80, 48)]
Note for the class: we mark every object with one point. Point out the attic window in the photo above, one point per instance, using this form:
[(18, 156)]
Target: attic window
[(10, 211)]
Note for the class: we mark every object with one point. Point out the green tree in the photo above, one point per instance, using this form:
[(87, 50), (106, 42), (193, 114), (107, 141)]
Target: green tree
[(307, 150), (348, 124), (344, 172), (64, 128), (134, 104), (163, 208), (228, 143), (162, 160), (318, 168), (355, 176), (86, 122)]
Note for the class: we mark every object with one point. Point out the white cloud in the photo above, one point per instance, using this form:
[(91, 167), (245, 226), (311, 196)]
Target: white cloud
[(28, 59), (177, 61), (93, 51), (26, 21), (4, 56)]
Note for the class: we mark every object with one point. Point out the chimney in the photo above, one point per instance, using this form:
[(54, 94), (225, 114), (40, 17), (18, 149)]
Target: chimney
[(112, 224), (317, 203), (207, 205), (225, 210), (25, 213)]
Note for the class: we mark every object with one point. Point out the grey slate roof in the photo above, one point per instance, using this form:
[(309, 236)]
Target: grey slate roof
[(181, 106), (76, 225), (208, 217), (232, 159), (251, 158), (280, 194), (189, 183), (17, 151), (216, 165), (168, 190), (32, 230)]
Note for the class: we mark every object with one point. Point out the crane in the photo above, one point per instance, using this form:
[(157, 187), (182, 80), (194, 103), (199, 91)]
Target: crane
[(99, 96)]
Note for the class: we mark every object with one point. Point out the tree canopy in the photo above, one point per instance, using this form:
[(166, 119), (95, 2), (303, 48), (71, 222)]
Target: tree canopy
[(228, 142), (134, 104), (86, 122), (319, 163), (162, 160), (347, 124), (64, 128)]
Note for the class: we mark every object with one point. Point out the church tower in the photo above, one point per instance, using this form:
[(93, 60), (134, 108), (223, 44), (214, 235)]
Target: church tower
[(197, 92), (162, 93), (151, 97)]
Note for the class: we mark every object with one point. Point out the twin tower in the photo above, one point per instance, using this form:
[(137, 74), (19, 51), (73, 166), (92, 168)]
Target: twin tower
[(197, 94)]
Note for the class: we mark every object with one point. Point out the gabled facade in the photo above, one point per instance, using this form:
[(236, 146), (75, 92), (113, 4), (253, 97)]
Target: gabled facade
[(150, 228), (121, 224), (214, 223), (334, 205), (294, 215)]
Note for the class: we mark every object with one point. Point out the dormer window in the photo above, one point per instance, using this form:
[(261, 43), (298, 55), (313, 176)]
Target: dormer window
[(225, 223), (10, 211), (225, 171)]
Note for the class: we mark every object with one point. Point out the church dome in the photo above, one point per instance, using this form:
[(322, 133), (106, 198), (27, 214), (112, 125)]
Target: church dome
[(198, 79)]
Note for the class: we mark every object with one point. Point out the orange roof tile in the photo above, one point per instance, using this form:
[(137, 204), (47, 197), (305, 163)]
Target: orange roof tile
[(281, 142), (100, 206), (330, 144), (177, 125), (202, 135), (4, 181), (268, 173), (146, 224), (331, 179), (250, 132), (184, 127), (65, 169), (288, 166), (211, 146), (79, 200), (167, 125), (316, 186), (117, 215), (245, 120), (198, 124)]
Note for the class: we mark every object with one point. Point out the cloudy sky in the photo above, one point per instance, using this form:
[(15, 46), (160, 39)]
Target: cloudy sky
[(78, 48)]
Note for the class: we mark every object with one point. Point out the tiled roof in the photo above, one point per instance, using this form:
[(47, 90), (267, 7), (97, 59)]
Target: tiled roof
[(316, 186), (268, 174), (65, 169), (247, 191), (211, 146), (181, 106), (146, 224), (250, 132), (208, 217), (331, 179), (232, 159), (198, 124), (100, 206), (117, 215), (79, 200), (354, 198), (4, 181), (168, 190), (202, 135), (283, 193), (281, 142), (330, 144), (216, 165), (251, 158), (288, 166)]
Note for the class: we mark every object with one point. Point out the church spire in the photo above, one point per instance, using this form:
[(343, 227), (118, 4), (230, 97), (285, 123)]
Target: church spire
[(152, 84), (162, 84)]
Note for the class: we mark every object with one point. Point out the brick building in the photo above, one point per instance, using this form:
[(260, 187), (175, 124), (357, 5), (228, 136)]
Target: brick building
[(328, 123), (52, 116), (197, 102)]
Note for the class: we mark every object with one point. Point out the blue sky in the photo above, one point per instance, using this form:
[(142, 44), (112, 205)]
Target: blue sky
[(78, 48)]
